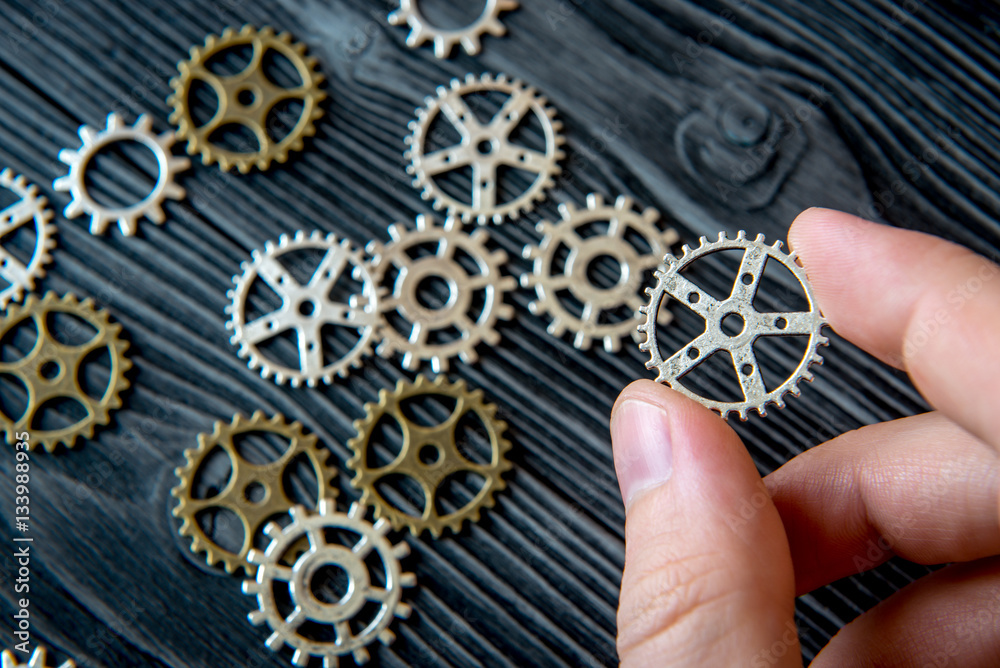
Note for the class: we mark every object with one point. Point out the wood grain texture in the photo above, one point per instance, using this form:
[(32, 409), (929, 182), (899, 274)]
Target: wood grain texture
[(880, 108)]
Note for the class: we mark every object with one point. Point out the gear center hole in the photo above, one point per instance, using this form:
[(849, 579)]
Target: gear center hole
[(732, 325), (605, 272), (331, 585), (486, 146), (435, 293), (307, 308), (246, 97), (50, 370), (430, 455), (255, 492)]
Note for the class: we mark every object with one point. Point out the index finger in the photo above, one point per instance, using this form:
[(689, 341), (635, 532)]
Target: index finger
[(914, 301)]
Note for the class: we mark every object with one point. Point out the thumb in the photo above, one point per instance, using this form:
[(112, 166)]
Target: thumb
[(708, 573)]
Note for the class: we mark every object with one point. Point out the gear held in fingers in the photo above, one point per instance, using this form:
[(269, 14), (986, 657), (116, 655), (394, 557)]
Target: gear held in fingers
[(671, 284), (51, 370), (254, 493), (31, 209), (445, 41), (312, 616), (571, 292), (39, 659), (246, 98), (484, 148), (429, 455), (452, 326), (308, 310), (127, 217)]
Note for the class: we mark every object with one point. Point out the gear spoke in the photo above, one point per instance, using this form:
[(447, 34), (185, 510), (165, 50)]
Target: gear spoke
[(511, 114), (266, 327), (528, 160), (796, 323), (460, 116), (484, 186), (684, 291), (310, 350), (745, 362), (682, 361), (751, 271), (329, 270), (446, 160)]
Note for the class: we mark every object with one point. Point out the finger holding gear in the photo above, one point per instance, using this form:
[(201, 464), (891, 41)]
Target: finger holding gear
[(246, 98), (30, 210)]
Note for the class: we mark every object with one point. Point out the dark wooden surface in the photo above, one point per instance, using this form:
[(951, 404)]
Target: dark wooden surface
[(889, 109)]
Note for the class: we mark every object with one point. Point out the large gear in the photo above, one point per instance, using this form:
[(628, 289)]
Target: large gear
[(246, 98), (554, 272), (445, 41), (254, 493), (127, 217), (38, 659), (485, 148), (30, 208), (300, 582), (306, 309), (472, 321), (670, 283), (51, 370), (429, 455)]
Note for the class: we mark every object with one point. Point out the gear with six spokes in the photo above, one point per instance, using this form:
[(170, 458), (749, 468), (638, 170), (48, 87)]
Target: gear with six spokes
[(127, 217), (52, 369), (429, 455), (484, 148), (469, 313), (246, 98), (566, 256), (39, 659), (307, 309), (342, 542), (715, 338), (30, 208), (445, 41)]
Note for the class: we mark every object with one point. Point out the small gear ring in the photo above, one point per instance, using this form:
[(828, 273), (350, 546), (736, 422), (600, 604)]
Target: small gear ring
[(51, 370), (310, 600), (554, 272), (30, 208), (439, 440), (670, 283), (445, 41), (484, 148), (246, 98), (127, 217)]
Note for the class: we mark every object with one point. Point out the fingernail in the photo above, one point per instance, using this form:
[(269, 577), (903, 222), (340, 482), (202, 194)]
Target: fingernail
[(640, 436)]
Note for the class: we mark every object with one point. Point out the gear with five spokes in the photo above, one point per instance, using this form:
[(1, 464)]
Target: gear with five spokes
[(30, 208), (445, 41), (740, 303)]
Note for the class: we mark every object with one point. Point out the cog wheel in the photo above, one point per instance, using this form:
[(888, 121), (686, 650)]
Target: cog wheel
[(445, 41), (128, 217), (424, 324), (246, 98), (290, 622), (436, 445), (306, 309), (670, 283), (254, 493), (30, 208), (630, 238), (39, 659), (485, 148), (51, 370)]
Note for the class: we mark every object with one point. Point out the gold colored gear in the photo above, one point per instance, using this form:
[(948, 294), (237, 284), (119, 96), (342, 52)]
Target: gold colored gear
[(51, 369), (244, 475), (449, 461), (263, 95)]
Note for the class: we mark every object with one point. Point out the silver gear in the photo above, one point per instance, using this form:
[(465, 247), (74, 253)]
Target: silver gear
[(548, 281), (304, 308), (38, 659), (445, 41), (484, 148), (30, 208), (670, 283), (476, 324), (298, 580), (127, 217)]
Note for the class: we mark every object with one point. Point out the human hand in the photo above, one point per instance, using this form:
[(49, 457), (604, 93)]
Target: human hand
[(705, 586)]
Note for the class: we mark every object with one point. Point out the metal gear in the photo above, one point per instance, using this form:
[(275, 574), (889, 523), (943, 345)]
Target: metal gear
[(445, 41), (306, 309), (246, 98), (267, 480), (39, 659), (127, 217), (440, 441), (301, 581), (461, 313), (553, 273), (51, 370), (30, 208), (670, 283), (485, 148)]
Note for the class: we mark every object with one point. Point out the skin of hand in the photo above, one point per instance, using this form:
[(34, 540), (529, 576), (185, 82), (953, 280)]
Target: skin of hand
[(715, 556)]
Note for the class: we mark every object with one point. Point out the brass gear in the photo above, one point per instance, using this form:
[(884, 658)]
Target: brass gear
[(244, 475), (449, 460), (51, 369), (251, 83)]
